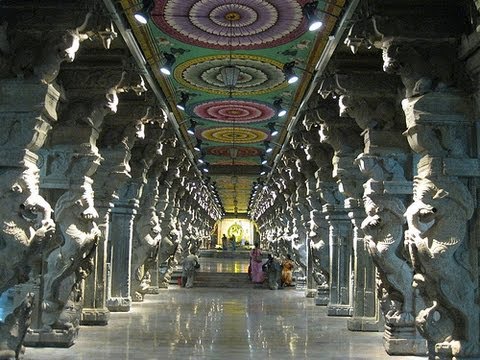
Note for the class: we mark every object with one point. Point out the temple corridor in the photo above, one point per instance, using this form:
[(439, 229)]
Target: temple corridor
[(332, 145)]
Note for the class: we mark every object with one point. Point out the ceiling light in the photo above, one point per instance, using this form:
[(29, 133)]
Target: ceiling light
[(268, 149), (263, 160), (277, 105), (182, 104), (168, 66), (290, 73), (143, 14), (198, 146), (273, 131), (191, 129), (309, 9)]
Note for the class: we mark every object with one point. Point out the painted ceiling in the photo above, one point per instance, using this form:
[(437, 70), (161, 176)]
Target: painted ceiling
[(232, 123)]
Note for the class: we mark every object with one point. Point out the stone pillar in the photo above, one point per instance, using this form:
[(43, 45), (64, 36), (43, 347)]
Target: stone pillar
[(146, 234), (333, 131), (123, 215), (340, 235), (437, 235), (115, 143), (321, 155), (30, 227), (121, 233), (68, 164), (33, 56)]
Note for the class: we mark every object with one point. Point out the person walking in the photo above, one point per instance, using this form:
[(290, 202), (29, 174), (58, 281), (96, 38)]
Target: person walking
[(224, 242), (256, 264)]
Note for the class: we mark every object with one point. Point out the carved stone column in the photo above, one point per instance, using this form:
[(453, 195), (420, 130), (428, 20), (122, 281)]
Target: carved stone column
[(27, 216), (147, 233), (340, 235), (123, 215), (333, 131), (70, 161), (115, 143), (437, 236), (436, 116), (30, 60), (321, 155)]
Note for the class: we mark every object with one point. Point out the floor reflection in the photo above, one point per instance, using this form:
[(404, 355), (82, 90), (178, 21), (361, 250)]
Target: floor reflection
[(222, 323), (202, 323)]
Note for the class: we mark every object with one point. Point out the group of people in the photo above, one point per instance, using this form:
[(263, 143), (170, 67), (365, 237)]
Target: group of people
[(279, 274), (258, 269), (231, 240)]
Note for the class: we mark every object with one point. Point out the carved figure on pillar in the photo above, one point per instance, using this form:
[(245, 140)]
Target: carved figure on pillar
[(14, 329), (27, 232), (75, 215), (436, 240), (28, 225), (146, 239), (383, 229)]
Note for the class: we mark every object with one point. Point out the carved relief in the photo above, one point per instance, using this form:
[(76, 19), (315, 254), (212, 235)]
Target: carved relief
[(383, 229), (75, 215), (436, 239), (27, 225), (42, 59), (14, 329)]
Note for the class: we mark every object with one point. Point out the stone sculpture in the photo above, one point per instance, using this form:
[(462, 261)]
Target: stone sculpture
[(190, 265), (319, 247), (436, 239), (383, 229), (145, 245), (43, 59), (14, 328), (75, 215), (28, 225)]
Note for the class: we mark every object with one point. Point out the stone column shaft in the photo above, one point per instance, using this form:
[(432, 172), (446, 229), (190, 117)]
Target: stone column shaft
[(340, 236), (121, 232)]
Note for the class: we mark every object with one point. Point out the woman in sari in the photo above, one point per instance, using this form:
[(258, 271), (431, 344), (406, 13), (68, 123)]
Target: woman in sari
[(256, 265)]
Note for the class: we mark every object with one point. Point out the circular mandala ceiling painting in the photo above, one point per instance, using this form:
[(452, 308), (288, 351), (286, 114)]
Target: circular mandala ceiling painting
[(238, 111), (239, 24), (257, 75), (227, 163), (234, 135), (241, 151)]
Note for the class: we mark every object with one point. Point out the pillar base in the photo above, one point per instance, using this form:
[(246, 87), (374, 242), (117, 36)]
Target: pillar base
[(339, 310), (51, 338), (119, 304), (404, 340), (153, 290), (323, 296), (95, 317), (364, 324)]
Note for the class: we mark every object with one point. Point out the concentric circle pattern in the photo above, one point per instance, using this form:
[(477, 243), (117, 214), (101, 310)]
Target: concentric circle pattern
[(238, 111), (234, 135), (226, 163), (258, 75), (239, 24), (240, 151)]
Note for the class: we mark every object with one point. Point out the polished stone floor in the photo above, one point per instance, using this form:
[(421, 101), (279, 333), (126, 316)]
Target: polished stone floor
[(218, 323)]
